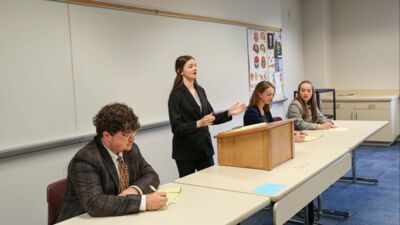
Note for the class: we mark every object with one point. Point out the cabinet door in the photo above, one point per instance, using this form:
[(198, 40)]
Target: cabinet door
[(344, 111), (385, 134), (344, 114)]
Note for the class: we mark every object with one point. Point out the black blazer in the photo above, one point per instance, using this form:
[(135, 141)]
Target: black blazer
[(190, 142), (253, 116), (93, 184)]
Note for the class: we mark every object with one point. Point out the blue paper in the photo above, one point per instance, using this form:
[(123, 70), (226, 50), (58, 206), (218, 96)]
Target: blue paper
[(269, 189)]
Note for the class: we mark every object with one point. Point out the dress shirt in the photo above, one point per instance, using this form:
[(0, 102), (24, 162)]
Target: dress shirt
[(114, 158)]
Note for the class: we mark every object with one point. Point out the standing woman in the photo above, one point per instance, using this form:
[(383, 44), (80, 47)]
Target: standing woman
[(190, 113), (259, 107), (304, 109)]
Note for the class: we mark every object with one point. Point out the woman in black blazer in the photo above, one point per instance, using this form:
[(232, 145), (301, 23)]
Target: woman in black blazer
[(190, 114)]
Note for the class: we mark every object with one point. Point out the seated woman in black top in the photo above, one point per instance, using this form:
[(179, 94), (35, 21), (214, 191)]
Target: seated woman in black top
[(260, 103), (258, 110)]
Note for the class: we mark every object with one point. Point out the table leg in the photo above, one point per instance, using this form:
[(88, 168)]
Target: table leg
[(308, 216), (322, 211), (354, 177)]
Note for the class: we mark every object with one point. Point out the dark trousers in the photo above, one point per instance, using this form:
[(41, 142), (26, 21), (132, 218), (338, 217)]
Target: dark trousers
[(186, 167)]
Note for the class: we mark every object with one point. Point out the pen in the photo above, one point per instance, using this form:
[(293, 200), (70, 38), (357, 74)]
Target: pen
[(153, 188)]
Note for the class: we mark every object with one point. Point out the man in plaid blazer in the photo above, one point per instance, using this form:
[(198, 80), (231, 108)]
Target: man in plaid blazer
[(93, 182)]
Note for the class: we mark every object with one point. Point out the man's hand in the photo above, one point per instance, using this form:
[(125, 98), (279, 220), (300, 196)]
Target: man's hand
[(156, 200)]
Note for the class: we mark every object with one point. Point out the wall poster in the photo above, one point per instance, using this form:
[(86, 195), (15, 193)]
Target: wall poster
[(265, 60)]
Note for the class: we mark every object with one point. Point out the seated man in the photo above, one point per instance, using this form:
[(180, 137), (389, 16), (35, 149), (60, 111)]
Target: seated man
[(109, 176)]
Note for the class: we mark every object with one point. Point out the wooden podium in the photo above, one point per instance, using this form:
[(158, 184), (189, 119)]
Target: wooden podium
[(259, 146)]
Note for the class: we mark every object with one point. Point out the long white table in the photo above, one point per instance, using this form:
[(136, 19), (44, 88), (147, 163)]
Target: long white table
[(317, 165), (358, 132), (195, 205), (305, 178), (223, 195)]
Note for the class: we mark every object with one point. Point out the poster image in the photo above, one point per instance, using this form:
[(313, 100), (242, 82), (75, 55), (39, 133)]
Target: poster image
[(270, 40), (265, 59), (277, 45), (258, 59)]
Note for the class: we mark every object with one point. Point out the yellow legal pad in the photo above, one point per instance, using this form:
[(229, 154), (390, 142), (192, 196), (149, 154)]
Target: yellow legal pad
[(311, 137), (172, 195)]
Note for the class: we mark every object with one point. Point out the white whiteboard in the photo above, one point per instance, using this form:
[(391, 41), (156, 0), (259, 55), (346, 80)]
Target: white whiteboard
[(130, 57), (60, 63), (36, 89)]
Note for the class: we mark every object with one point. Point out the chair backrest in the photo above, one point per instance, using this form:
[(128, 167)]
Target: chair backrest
[(55, 195)]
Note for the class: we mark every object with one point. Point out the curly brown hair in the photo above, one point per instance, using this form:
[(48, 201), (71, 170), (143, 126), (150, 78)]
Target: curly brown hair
[(115, 117)]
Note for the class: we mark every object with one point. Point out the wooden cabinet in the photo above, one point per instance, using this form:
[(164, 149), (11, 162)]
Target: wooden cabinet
[(360, 109)]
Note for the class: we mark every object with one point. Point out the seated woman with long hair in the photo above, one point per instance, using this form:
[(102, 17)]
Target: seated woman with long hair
[(304, 109)]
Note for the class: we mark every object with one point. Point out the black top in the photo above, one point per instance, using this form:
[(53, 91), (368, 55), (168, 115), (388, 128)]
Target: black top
[(253, 116), (190, 142)]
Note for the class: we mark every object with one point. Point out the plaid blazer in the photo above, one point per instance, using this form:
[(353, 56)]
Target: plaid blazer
[(93, 184)]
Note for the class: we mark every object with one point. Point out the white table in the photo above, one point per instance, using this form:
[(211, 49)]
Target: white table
[(305, 177), (317, 165), (358, 132), (195, 205)]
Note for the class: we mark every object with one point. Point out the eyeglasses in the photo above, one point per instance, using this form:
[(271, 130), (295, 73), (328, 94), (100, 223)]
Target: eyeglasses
[(129, 134)]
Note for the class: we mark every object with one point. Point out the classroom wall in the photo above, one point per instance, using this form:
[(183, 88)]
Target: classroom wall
[(265, 12), (316, 41), (365, 44), (28, 175), (352, 44), (292, 40)]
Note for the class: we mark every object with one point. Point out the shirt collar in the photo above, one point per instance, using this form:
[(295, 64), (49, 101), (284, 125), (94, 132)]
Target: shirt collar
[(114, 156)]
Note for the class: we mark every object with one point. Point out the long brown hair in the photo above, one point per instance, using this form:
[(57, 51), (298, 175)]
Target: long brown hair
[(179, 64), (313, 102), (260, 88)]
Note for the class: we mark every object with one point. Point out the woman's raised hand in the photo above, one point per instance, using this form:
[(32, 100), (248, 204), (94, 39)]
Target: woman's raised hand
[(236, 108)]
